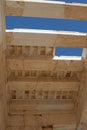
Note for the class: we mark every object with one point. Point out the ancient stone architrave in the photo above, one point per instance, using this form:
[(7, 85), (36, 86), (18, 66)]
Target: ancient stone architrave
[(38, 90)]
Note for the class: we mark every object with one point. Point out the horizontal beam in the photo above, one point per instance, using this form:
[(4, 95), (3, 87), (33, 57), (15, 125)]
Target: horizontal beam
[(46, 38), (59, 127), (41, 106), (50, 9), (66, 127), (45, 86), (44, 65), (57, 120)]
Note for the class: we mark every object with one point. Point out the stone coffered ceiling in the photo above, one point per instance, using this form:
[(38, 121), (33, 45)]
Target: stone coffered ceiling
[(39, 92)]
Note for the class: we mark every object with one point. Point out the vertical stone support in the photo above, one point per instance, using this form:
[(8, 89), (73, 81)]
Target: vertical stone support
[(3, 102), (82, 100)]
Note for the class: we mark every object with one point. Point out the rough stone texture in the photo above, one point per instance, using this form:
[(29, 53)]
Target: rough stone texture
[(42, 92), (3, 101), (31, 37), (50, 9)]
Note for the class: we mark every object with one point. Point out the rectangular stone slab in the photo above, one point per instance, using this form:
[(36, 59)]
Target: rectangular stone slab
[(47, 9)]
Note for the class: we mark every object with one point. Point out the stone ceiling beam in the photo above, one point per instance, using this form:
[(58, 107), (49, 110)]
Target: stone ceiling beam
[(45, 86), (46, 38), (57, 120), (47, 9), (40, 105), (45, 65)]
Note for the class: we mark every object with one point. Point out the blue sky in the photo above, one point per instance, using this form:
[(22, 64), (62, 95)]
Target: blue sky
[(75, 1), (51, 24)]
